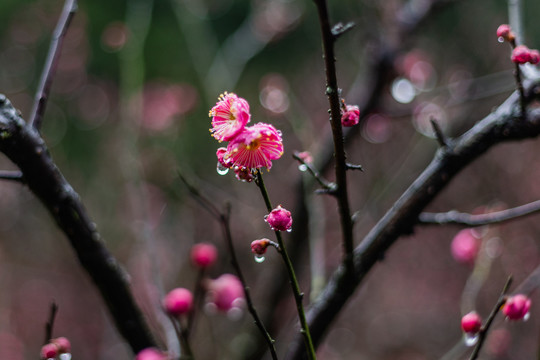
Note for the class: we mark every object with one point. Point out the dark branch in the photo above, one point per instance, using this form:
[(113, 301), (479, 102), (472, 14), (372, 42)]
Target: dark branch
[(458, 218), (503, 125), (44, 88), (22, 144), (441, 139)]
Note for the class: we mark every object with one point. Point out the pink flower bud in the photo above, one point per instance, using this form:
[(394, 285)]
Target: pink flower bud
[(535, 56), (178, 302), (504, 32), (517, 307), (225, 291), (49, 351), (223, 157), (243, 174), (151, 354), (279, 219), (351, 116), (471, 323), (465, 246), (521, 54), (63, 344), (258, 247), (203, 255)]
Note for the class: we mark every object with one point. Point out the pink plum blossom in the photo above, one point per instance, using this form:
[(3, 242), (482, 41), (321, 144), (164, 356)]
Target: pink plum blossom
[(465, 246), (203, 255), (178, 302), (504, 32), (279, 219), (521, 54), (517, 307), (63, 345), (471, 323), (225, 292), (229, 116), (255, 147)]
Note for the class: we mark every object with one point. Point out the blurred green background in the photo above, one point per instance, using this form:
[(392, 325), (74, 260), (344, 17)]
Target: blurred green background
[(129, 109)]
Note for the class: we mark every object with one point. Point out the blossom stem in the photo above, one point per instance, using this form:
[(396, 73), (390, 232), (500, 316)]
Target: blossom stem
[(298, 295)]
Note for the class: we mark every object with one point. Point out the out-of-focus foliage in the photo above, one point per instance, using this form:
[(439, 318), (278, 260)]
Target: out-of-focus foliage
[(130, 105)]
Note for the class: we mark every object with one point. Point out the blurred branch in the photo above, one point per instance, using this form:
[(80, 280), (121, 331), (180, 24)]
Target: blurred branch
[(502, 125), (327, 185), (482, 334), (11, 175), (22, 144), (458, 218), (224, 219), (50, 323), (44, 88)]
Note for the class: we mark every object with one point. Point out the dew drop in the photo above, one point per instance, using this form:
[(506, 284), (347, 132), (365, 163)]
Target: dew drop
[(265, 218), (500, 39), (302, 167), (65, 356), (471, 339), (289, 229), (279, 132), (221, 170), (259, 259), (527, 316)]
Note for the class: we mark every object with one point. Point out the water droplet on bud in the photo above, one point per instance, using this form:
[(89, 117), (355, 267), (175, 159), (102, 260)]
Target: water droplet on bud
[(259, 259), (221, 170), (289, 229), (302, 167), (527, 316), (500, 39), (471, 339), (265, 218)]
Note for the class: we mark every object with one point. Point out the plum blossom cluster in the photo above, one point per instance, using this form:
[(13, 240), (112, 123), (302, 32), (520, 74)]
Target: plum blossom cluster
[(250, 147), (56, 349)]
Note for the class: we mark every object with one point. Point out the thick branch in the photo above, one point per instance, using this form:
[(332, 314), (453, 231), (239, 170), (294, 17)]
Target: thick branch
[(458, 218), (500, 126), (22, 144)]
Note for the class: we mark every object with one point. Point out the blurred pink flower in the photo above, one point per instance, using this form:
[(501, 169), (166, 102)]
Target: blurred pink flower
[(258, 247), (225, 292), (255, 147), (350, 116), (203, 255), (151, 354), (229, 116), (63, 344), (178, 302), (49, 351), (465, 246)]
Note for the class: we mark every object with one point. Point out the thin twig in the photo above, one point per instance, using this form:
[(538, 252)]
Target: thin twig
[(441, 139), (482, 334), (332, 92), (12, 175), (50, 323), (51, 63), (327, 185), (497, 217), (224, 220), (298, 295)]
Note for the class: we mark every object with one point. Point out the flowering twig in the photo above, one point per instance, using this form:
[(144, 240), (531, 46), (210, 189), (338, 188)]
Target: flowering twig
[(224, 220), (482, 334), (49, 70), (50, 323), (332, 92), (458, 218), (298, 295)]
